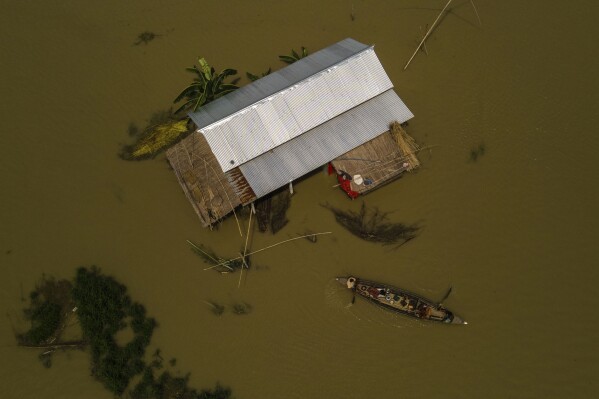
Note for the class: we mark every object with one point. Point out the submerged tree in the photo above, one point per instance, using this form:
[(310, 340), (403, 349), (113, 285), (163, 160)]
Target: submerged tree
[(372, 225), (50, 304), (104, 309), (50, 312), (164, 385), (218, 263)]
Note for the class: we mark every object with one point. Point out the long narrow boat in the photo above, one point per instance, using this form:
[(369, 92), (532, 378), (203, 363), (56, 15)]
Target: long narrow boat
[(400, 301)]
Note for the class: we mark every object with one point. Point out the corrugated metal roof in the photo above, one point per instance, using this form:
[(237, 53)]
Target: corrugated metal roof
[(323, 143), (275, 109), (275, 82)]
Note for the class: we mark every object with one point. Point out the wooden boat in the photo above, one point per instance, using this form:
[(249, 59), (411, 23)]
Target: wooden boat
[(400, 301)]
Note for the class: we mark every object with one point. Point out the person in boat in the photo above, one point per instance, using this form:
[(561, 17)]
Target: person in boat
[(344, 175), (376, 292)]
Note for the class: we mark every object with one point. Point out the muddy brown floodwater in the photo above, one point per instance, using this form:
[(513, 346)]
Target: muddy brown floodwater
[(506, 196)]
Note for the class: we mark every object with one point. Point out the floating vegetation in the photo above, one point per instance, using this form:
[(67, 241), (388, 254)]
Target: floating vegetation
[(371, 225), (163, 130), (219, 264), (145, 38), (238, 308), (242, 308), (477, 152), (216, 308), (294, 56)]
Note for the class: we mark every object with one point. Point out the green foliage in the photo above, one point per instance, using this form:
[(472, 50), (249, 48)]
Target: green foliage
[(103, 304), (166, 386), (49, 302), (294, 56), (45, 320), (103, 309), (207, 86), (253, 77)]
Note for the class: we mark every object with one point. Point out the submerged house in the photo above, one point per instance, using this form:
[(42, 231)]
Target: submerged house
[(334, 106)]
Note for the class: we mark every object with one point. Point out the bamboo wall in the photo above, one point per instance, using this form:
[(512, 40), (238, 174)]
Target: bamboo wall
[(202, 179)]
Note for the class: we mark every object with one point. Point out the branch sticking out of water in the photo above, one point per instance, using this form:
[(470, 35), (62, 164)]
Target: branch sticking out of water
[(370, 224)]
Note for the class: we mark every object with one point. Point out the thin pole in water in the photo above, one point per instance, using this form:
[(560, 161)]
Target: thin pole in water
[(427, 33), (476, 11), (247, 236)]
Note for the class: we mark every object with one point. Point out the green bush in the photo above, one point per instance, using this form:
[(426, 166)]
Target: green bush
[(45, 320)]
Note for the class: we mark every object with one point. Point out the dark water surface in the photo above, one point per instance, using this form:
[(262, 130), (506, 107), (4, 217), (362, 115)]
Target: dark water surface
[(513, 232)]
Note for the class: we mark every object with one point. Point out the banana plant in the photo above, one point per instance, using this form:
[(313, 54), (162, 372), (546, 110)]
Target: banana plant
[(290, 59), (253, 77), (207, 86)]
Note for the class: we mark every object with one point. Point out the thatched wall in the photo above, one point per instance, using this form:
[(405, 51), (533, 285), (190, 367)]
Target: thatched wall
[(203, 181)]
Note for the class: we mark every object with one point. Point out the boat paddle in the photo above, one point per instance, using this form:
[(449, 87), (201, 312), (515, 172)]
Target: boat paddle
[(440, 303)]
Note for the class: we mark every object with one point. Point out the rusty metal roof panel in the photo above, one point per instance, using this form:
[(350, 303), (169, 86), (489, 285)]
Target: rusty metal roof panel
[(324, 143), (240, 186)]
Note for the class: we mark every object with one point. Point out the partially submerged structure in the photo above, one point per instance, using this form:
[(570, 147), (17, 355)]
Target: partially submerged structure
[(265, 135), (376, 162)]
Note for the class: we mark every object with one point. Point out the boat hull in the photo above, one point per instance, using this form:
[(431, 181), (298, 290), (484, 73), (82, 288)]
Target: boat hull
[(400, 301)]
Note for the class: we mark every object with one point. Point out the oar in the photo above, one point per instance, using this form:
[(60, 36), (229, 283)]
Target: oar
[(440, 304)]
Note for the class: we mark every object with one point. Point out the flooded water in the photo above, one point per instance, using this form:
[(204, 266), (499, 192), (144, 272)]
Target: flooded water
[(513, 231)]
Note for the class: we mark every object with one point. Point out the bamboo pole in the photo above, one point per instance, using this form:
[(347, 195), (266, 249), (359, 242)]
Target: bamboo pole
[(208, 255), (270, 246), (427, 33), (68, 344), (476, 11), (247, 236), (424, 43)]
